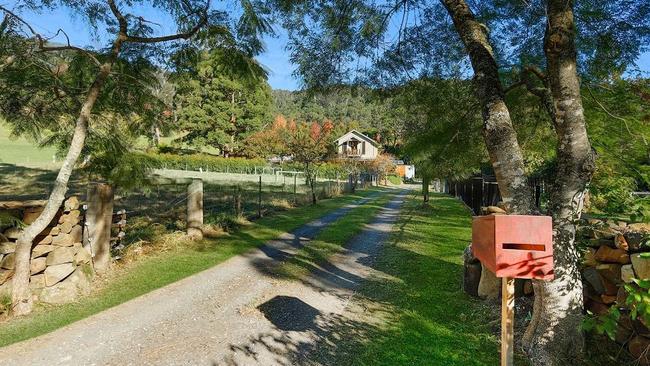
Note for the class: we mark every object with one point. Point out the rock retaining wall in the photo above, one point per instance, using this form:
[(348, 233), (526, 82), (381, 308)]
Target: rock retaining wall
[(615, 253), (614, 256), (61, 266)]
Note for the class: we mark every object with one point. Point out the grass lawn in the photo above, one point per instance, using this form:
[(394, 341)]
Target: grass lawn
[(20, 151), (156, 271), (430, 320)]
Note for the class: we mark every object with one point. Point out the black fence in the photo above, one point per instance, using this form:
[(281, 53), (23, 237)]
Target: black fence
[(483, 191)]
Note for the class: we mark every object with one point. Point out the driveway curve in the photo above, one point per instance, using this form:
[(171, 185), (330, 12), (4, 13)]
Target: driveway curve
[(236, 313)]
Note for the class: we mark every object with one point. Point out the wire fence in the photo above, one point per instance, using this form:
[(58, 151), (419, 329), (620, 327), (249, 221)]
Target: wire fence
[(227, 169), (162, 204), (243, 197)]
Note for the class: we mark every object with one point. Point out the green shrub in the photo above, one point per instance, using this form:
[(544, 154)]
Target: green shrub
[(329, 169), (394, 179), (143, 228), (637, 302), (207, 162), (612, 193), (640, 211), (9, 219), (127, 170), (228, 222), (5, 303)]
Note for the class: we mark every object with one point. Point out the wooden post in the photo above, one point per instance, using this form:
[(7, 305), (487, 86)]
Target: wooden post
[(425, 188), (507, 320), (99, 219), (195, 209), (238, 209), (259, 199), (295, 184)]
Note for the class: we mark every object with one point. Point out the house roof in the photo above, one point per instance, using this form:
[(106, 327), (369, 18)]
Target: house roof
[(355, 133)]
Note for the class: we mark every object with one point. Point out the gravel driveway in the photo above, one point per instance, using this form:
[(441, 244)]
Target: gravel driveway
[(236, 313)]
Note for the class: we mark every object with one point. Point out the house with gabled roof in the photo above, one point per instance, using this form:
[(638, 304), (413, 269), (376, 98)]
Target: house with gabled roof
[(356, 145)]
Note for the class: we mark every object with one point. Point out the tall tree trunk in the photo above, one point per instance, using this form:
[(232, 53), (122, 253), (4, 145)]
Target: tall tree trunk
[(310, 180), (233, 123), (21, 295), (553, 336), (498, 132)]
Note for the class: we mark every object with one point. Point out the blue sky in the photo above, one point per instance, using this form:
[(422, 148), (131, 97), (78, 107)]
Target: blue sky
[(275, 58)]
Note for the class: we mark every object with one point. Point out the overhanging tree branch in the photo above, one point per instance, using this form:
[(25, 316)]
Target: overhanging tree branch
[(41, 42), (121, 19), (123, 24), (21, 295), (627, 127)]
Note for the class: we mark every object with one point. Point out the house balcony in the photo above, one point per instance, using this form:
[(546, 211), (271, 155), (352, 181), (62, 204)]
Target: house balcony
[(353, 153)]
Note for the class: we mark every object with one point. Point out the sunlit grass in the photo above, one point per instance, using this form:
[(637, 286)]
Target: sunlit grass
[(20, 151), (431, 321), (152, 272)]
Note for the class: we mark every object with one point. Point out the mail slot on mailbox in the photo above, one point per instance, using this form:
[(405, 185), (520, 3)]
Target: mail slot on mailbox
[(515, 246)]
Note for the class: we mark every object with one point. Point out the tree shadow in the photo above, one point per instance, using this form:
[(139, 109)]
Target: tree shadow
[(435, 325), (334, 339), (23, 183), (288, 313), (310, 339)]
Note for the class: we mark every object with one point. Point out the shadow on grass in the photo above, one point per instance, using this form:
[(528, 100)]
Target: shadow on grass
[(155, 271), (409, 311), (32, 183)]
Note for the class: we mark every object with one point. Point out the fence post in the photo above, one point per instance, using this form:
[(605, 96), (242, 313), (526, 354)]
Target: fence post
[(425, 188), (99, 219), (195, 209), (237, 196), (259, 199), (295, 184)]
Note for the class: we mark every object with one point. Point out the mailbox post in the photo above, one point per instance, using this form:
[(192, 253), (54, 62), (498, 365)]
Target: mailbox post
[(513, 246)]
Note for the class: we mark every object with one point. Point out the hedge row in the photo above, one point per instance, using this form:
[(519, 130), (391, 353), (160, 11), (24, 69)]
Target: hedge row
[(207, 162), (325, 170), (236, 165)]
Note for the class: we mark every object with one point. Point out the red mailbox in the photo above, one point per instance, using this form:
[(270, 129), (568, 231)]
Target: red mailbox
[(515, 246)]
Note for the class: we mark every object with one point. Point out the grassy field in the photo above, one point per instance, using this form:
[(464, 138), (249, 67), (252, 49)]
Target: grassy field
[(155, 271), (21, 152), (429, 319)]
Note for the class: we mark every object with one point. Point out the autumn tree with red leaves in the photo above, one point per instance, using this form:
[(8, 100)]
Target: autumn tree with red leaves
[(310, 144)]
